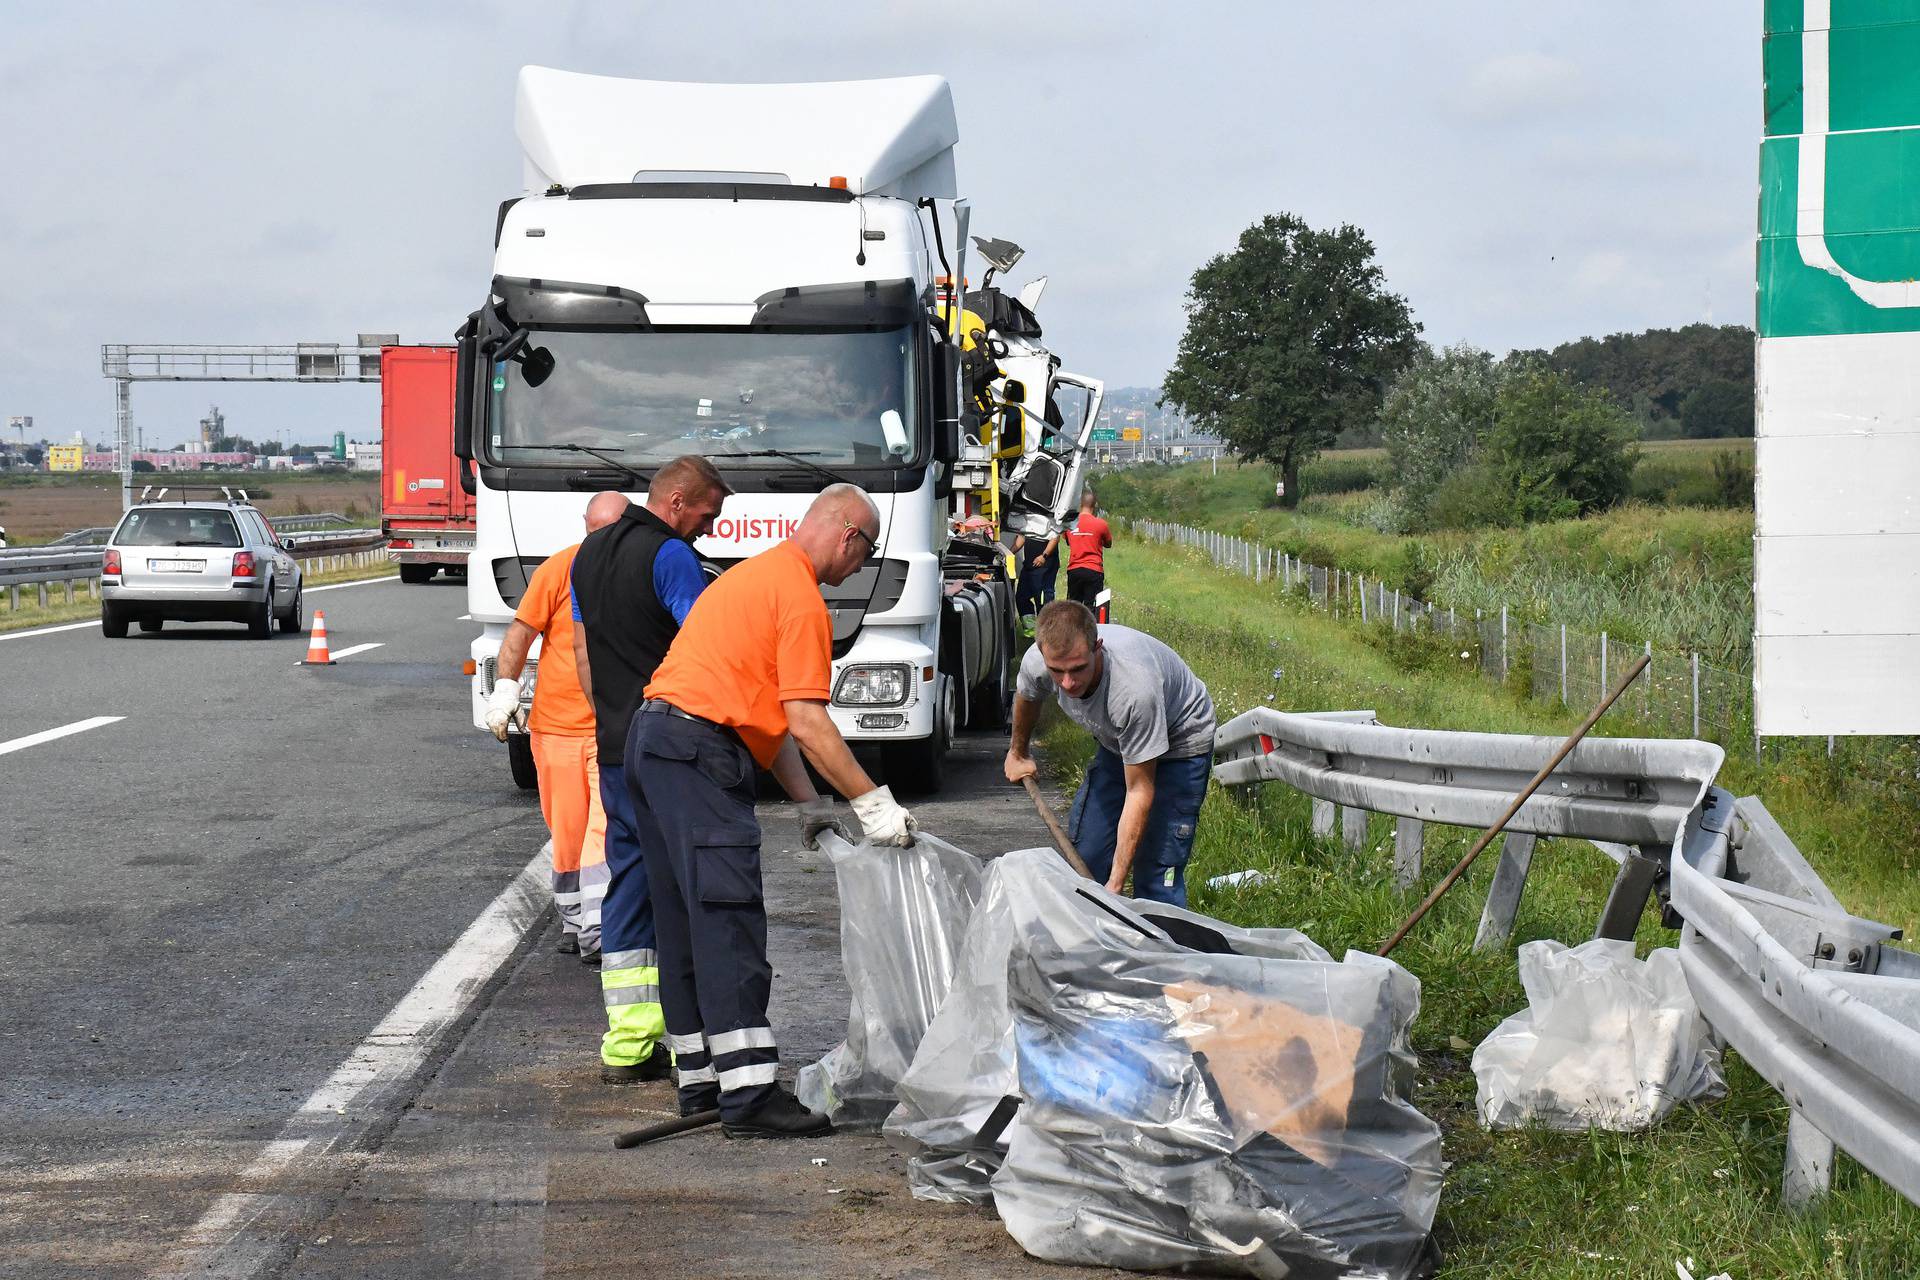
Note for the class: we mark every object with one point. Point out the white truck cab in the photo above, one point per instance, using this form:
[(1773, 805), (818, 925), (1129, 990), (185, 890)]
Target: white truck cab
[(748, 272)]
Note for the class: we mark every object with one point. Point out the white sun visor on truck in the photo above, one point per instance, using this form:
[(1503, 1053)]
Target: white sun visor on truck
[(891, 137)]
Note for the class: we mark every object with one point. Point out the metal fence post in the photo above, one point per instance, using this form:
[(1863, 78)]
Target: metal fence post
[(1603, 664), (1646, 689), (1563, 664), (43, 594), (1695, 660), (1503, 644), (1363, 598), (1409, 839)]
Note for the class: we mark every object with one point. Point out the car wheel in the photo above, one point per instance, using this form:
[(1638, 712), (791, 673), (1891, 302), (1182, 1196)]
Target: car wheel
[(520, 761), (152, 625), (260, 621), (113, 620), (295, 620), (415, 574)]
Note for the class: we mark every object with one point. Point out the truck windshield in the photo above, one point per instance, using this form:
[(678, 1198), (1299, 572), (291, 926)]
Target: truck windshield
[(646, 398)]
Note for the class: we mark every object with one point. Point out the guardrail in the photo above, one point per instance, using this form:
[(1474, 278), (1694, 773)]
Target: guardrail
[(38, 568), (1805, 992)]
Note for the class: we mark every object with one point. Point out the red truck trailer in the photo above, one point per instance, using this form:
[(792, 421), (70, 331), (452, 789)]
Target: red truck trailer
[(425, 514)]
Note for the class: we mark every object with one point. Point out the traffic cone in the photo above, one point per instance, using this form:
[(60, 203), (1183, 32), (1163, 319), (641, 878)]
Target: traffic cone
[(317, 654)]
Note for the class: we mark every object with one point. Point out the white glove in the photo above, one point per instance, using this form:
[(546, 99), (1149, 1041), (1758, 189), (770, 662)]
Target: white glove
[(816, 815), (503, 708), (881, 820)]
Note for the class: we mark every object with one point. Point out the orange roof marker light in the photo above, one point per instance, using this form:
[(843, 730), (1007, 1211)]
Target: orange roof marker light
[(837, 183)]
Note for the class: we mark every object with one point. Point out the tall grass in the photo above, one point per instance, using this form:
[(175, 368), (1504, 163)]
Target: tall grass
[(1679, 577), (1534, 1204)]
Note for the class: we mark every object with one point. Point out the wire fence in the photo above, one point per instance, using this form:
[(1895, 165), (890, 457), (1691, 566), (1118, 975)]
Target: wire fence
[(1680, 695)]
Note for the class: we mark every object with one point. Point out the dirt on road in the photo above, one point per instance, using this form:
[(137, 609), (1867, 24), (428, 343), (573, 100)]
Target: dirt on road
[(505, 1166)]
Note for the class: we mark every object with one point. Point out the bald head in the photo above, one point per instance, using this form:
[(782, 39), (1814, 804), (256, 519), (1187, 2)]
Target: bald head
[(840, 530), (605, 508)]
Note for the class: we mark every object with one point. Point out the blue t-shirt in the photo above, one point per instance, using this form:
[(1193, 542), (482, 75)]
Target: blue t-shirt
[(677, 580)]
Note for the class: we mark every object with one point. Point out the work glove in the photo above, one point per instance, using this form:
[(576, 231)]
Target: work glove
[(881, 820), (503, 708), (815, 816)]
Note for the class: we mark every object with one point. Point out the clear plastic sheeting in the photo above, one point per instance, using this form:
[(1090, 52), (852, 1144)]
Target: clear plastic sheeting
[(1606, 1041), (959, 1097), (902, 915), (1231, 1114)]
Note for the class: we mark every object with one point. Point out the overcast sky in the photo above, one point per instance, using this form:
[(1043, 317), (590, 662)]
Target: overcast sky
[(255, 173)]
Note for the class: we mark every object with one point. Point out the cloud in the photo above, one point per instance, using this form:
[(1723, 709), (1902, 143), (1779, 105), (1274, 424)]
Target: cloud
[(1521, 87)]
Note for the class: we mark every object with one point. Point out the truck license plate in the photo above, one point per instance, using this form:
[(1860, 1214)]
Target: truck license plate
[(176, 566)]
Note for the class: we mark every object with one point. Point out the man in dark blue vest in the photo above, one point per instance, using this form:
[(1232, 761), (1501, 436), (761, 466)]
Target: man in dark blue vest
[(633, 583)]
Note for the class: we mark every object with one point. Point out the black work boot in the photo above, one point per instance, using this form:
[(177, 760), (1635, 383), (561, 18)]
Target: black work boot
[(780, 1116), (658, 1066), (591, 957), (693, 1102), (569, 944)]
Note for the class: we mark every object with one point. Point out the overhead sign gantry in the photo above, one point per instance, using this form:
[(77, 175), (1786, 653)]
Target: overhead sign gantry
[(174, 362)]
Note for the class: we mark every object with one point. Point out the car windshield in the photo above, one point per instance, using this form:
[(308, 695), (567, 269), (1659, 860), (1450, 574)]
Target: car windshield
[(645, 398), (174, 527)]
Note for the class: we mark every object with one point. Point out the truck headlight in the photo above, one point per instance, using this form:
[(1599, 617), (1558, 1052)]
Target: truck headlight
[(873, 684)]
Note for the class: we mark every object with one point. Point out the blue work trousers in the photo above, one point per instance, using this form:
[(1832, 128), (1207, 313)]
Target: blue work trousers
[(695, 789), (1160, 863)]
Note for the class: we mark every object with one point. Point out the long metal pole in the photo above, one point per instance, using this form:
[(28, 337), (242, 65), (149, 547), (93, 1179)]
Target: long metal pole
[(1486, 838), (123, 439)]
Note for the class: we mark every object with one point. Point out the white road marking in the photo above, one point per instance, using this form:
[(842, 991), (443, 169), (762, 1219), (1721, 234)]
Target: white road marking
[(231, 1239), (47, 631), (49, 735), (82, 626), (342, 586), (465, 617), (358, 648)]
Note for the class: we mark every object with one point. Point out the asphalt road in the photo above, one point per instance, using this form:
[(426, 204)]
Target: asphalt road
[(215, 900)]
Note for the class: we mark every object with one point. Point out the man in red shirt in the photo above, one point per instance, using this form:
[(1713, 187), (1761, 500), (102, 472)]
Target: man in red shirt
[(1086, 561)]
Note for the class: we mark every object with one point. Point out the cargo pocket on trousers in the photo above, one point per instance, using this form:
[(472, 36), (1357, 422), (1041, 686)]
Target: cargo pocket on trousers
[(726, 865)]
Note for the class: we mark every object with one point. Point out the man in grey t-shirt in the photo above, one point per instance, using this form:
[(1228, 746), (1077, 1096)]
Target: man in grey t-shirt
[(1140, 802)]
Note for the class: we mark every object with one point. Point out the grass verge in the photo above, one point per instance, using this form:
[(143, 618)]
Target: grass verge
[(1704, 1185)]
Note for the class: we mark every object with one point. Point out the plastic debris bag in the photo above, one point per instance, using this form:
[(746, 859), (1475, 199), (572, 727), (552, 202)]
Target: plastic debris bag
[(902, 915), (1232, 1114), (957, 1101), (1606, 1041)]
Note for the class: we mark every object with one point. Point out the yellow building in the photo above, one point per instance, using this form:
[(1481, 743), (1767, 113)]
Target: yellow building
[(65, 457)]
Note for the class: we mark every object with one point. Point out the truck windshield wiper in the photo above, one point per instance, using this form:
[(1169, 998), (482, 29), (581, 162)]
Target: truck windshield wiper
[(638, 477), (790, 456)]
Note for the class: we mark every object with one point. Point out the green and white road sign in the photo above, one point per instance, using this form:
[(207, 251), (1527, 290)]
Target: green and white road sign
[(1837, 501), (1106, 433)]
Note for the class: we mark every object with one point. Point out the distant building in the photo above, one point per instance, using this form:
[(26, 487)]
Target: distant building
[(363, 457), (170, 460)]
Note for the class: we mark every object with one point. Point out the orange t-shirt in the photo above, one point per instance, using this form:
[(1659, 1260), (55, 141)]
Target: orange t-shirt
[(758, 636), (559, 705)]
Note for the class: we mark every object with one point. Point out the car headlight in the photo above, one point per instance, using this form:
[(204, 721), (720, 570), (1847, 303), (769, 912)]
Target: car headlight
[(873, 684)]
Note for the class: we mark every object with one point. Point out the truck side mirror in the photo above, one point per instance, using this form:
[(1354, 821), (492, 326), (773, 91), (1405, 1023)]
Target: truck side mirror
[(465, 365), (946, 402)]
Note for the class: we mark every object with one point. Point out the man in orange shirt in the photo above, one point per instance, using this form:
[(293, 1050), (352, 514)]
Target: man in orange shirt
[(1087, 541), (561, 726), (746, 682)]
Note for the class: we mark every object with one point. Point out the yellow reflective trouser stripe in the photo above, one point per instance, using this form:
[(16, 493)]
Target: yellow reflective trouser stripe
[(634, 1021)]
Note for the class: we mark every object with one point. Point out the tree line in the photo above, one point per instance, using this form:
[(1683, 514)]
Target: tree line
[(1294, 341)]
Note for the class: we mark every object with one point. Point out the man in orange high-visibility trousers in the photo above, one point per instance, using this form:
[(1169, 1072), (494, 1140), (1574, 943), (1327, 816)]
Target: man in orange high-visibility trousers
[(745, 682), (562, 728)]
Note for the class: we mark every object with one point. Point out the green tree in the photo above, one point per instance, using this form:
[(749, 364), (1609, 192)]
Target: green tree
[(1716, 410), (1434, 417), (1561, 449), (1290, 337)]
